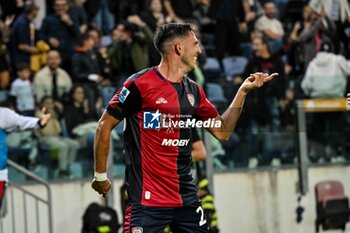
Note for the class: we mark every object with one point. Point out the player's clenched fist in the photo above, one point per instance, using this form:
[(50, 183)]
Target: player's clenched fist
[(102, 187)]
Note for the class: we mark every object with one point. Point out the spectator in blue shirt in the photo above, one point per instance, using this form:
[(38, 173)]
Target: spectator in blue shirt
[(60, 30), (23, 36)]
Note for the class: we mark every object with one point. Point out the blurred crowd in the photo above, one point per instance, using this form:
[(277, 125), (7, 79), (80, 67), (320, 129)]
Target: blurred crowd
[(71, 55)]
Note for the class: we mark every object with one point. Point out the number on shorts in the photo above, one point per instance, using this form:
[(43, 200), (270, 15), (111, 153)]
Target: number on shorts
[(202, 221)]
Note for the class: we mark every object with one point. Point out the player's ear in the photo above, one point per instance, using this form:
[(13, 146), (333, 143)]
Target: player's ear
[(178, 48)]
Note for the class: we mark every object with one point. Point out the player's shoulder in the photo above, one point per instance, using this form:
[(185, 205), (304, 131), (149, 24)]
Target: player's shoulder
[(190, 82), (139, 75)]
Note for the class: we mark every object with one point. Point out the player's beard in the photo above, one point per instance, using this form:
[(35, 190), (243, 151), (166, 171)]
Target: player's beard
[(190, 63)]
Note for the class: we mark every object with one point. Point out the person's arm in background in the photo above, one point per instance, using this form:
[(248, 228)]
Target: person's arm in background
[(307, 81), (169, 9), (45, 33), (198, 149), (309, 31), (10, 120), (146, 31), (71, 25), (344, 64), (21, 33), (4, 79), (272, 34), (241, 19)]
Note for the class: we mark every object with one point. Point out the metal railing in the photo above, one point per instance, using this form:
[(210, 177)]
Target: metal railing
[(312, 106), (14, 213)]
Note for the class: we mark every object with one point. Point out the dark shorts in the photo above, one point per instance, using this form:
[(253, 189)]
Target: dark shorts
[(143, 219)]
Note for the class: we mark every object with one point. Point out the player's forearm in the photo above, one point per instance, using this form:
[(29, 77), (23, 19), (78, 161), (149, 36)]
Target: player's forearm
[(198, 151), (27, 48), (101, 147), (230, 117)]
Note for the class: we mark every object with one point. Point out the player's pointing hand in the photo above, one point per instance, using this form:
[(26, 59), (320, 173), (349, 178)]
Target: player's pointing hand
[(256, 80)]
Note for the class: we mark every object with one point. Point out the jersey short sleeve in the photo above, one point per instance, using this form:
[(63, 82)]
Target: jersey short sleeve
[(205, 109), (195, 135), (126, 101)]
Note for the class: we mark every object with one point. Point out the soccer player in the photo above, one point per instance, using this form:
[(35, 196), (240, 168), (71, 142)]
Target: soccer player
[(160, 105)]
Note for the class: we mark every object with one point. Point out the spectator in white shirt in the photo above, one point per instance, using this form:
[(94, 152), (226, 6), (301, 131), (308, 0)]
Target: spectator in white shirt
[(52, 80), (22, 91), (270, 27)]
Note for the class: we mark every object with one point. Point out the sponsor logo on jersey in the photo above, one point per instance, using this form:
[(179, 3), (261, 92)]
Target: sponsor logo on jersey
[(191, 123), (123, 94), (151, 120), (161, 100), (157, 120), (175, 142)]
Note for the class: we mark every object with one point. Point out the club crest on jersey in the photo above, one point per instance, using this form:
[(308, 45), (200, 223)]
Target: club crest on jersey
[(137, 230), (123, 94), (190, 98)]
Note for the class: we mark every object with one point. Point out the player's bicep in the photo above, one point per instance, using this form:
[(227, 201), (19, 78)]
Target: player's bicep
[(108, 121)]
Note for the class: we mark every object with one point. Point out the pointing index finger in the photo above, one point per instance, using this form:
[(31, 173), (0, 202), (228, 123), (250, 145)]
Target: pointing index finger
[(271, 76)]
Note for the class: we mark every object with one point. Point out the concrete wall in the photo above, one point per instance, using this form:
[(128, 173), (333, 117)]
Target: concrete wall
[(265, 202), (247, 202)]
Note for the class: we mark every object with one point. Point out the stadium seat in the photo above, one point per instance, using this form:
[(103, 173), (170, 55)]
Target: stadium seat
[(234, 65), (332, 205), (211, 70), (215, 94)]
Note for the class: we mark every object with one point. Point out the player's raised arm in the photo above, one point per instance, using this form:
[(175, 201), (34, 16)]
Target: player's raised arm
[(231, 115)]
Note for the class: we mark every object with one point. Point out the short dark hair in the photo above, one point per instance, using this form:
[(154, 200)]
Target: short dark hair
[(167, 32), (29, 7), (82, 38), (267, 2), (264, 40), (22, 66), (129, 27)]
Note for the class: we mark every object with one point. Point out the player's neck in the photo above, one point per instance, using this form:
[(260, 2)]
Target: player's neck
[(172, 69)]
